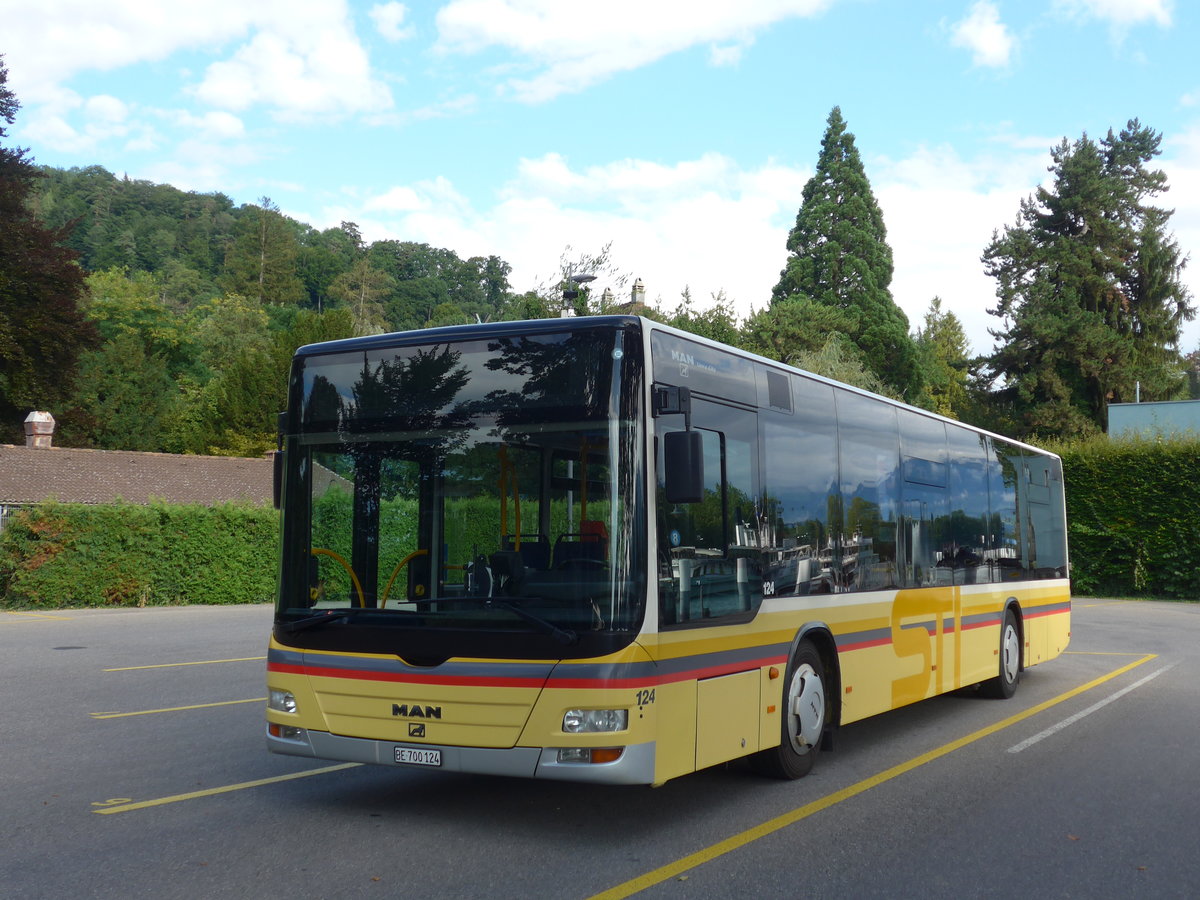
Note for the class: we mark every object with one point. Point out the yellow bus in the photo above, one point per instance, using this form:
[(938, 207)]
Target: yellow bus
[(601, 549)]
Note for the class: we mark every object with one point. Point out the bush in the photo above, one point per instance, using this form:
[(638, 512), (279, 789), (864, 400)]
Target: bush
[(1133, 516), (1132, 521), (65, 554)]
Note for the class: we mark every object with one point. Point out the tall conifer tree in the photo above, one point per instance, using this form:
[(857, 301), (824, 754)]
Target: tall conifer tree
[(839, 261), (946, 360), (1089, 288)]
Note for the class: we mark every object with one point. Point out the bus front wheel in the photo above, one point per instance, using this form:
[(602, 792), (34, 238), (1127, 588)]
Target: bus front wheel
[(803, 715), (1004, 685)]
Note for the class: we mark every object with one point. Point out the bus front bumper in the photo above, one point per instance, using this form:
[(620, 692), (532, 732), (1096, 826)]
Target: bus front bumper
[(635, 765)]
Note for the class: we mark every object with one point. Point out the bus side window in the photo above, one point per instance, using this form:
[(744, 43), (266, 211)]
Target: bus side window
[(869, 454), (800, 493), (710, 551)]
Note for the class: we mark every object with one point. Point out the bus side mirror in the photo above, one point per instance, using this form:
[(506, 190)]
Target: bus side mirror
[(683, 465)]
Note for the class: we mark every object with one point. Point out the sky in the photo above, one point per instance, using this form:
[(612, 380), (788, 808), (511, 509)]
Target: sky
[(680, 132)]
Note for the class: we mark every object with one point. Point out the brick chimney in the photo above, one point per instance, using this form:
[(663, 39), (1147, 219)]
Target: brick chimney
[(39, 430)]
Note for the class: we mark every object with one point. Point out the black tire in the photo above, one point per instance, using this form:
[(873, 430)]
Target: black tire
[(805, 712), (1004, 685)]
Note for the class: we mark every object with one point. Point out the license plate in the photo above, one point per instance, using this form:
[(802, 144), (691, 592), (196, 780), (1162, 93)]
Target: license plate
[(414, 756)]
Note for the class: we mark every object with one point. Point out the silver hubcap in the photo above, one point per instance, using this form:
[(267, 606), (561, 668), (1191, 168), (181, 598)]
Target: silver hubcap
[(806, 708), (1010, 650)]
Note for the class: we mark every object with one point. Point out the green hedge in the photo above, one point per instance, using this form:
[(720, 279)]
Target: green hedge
[(1133, 516), (1133, 513), (64, 554)]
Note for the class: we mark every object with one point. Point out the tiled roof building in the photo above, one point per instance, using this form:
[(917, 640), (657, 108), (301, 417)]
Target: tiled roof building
[(39, 472)]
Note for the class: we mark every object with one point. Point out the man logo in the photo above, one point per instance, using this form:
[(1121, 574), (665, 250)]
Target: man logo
[(415, 711), (416, 729)]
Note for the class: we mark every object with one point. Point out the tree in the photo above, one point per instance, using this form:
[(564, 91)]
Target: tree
[(128, 386), (1089, 288), (493, 276), (261, 263), (362, 288), (324, 257), (718, 322), (127, 394), (42, 329), (788, 329), (426, 278), (231, 410), (839, 258), (945, 360)]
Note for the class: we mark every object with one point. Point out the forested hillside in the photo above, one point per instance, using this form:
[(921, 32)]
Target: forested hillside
[(198, 305)]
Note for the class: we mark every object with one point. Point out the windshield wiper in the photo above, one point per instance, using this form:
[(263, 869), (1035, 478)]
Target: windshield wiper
[(322, 618), (562, 635)]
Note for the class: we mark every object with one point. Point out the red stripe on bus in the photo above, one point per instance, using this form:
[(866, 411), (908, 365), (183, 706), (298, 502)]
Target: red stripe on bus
[(672, 677), (499, 681), (863, 645), (1046, 612)]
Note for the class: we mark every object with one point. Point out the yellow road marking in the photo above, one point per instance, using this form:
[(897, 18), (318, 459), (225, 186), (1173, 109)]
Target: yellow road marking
[(149, 712), (693, 860), (38, 615), (202, 662), (108, 807)]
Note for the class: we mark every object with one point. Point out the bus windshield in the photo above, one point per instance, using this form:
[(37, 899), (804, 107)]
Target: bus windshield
[(470, 498)]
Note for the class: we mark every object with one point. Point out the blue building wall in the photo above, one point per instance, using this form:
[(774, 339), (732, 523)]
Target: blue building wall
[(1161, 418)]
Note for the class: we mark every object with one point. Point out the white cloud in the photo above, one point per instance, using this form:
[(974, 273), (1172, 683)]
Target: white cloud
[(53, 40), (981, 31), (300, 57), (709, 224), (570, 46), (728, 54), (704, 223), (102, 118), (401, 199), (1181, 162), (104, 107), (389, 21), (1119, 13), (204, 162), (940, 211), (212, 125), (55, 132), (310, 66)]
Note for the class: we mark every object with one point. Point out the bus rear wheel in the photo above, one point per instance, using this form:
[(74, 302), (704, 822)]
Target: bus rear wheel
[(804, 714), (1004, 685)]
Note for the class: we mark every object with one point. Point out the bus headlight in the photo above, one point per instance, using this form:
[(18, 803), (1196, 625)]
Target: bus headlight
[(281, 701), (587, 721)]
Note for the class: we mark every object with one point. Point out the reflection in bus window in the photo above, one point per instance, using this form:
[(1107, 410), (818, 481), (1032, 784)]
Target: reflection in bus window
[(964, 539), (1004, 538), (924, 471), (802, 504), (869, 451)]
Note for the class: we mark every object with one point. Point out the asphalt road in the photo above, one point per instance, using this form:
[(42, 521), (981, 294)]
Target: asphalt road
[(132, 765)]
